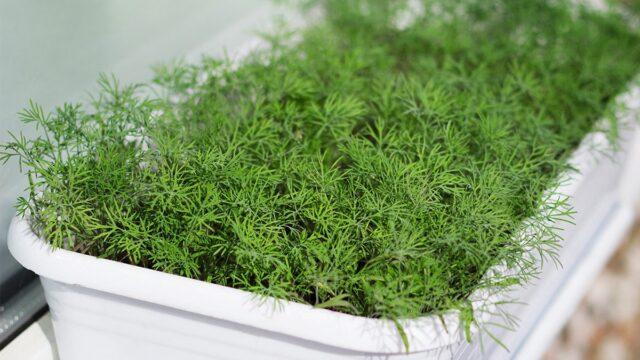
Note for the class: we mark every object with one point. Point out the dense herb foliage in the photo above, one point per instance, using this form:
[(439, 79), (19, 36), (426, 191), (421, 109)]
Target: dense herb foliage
[(377, 163)]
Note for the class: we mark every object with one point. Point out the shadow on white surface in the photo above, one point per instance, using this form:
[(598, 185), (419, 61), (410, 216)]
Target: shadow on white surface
[(35, 343)]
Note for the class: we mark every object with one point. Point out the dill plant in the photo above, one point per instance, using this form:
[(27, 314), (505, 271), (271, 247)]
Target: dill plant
[(361, 166)]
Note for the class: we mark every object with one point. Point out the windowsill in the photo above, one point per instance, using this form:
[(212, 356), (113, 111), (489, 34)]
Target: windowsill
[(35, 343)]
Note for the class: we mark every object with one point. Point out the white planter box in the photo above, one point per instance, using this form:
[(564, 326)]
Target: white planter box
[(103, 309)]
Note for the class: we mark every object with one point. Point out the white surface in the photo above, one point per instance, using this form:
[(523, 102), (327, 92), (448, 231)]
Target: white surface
[(34, 343)]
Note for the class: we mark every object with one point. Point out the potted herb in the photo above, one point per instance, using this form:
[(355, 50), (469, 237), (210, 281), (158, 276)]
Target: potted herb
[(365, 190)]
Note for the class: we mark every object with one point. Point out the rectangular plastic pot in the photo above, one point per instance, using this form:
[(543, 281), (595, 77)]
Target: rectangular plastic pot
[(103, 309)]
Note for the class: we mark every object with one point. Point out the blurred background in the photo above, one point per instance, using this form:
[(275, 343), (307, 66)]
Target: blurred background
[(53, 51), (606, 324)]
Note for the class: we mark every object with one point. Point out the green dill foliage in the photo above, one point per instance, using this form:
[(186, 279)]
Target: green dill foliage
[(377, 163)]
